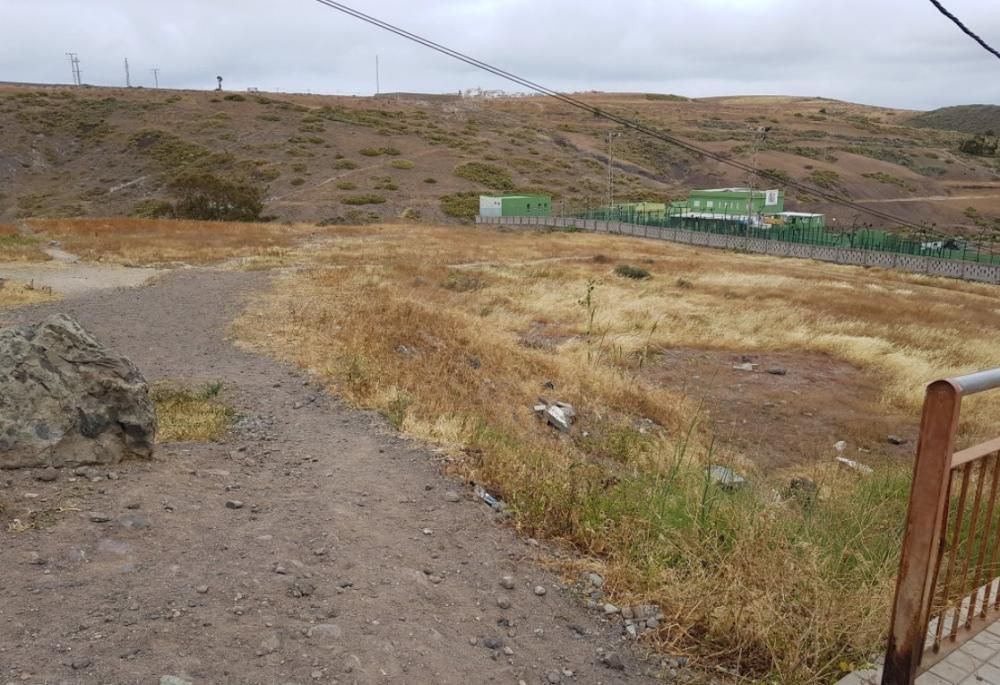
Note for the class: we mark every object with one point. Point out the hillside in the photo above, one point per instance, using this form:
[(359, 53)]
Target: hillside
[(100, 151), (974, 119)]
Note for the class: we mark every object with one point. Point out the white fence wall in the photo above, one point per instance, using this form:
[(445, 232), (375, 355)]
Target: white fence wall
[(933, 266)]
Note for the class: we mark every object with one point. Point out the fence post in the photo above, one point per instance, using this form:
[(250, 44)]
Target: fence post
[(922, 540)]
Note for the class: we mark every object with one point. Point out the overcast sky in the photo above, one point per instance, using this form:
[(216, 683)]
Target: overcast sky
[(899, 53)]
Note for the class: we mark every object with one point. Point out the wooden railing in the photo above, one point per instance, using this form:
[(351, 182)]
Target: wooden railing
[(948, 587)]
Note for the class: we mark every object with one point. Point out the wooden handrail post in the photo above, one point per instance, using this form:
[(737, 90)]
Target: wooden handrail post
[(925, 528)]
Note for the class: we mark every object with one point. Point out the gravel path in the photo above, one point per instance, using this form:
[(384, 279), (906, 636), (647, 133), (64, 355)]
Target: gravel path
[(346, 562)]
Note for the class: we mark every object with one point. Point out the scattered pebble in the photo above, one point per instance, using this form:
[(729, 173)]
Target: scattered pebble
[(201, 589), (234, 504), (612, 609), (539, 590), (452, 496), (507, 582), (97, 517), (503, 602), (427, 531), (49, 475), (613, 661), (553, 677)]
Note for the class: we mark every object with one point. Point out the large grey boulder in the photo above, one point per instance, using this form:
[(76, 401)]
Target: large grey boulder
[(65, 400)]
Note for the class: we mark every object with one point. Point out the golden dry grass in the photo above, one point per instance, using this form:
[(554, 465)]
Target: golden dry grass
[(15, 247), (190, 415), (427, 325), (15, 294), (159, 242)]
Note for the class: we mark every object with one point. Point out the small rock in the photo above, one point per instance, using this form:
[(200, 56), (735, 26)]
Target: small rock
[(201, 589), (279, 569), (508, 651), (427, 531), (568, 673), (270, 644), (234, 504), (503, 602), (80, 663), (174, 680), (612, 609), (507, 582), (553, 677), (777, 371), (492, 643), (652, 623), (316, 675), (49, 475), (452, 496), (632, 631), (540, 590), (98, 517), (613, 661), (896, 440), (596, 579)]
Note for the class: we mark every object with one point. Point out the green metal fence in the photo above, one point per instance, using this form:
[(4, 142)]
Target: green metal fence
[(927, 244)]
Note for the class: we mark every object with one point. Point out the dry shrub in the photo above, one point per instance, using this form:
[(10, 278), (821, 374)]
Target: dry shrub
[(777, 587), (15, 247), (190, 415)]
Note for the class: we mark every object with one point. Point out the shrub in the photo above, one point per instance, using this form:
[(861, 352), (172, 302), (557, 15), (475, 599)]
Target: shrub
[(430, 180), (378, 151), (234, 97), (460, 205), (347, 185), (488, 175), (401, 164), (153, 209), (364, 199), (635, 272), (206, 197), (298, 181), (345, 164)]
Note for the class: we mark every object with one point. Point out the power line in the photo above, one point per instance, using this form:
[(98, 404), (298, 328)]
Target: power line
[(965, 29), (628, 123)]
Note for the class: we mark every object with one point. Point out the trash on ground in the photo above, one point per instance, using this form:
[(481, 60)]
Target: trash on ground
[(725, 477), (744, 366), (855, 466), (491, 501)]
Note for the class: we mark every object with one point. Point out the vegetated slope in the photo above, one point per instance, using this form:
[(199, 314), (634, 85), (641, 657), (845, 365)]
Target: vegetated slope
[(101, 151), (975, 119)]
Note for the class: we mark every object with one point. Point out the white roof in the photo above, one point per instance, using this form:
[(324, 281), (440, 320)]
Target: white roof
[(804, 214)]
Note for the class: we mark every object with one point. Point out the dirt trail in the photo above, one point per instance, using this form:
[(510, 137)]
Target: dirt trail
[(347, 563)]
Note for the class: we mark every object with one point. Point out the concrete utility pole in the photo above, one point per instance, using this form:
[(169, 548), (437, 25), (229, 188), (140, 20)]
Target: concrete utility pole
[(378, 78), (611, 170), (759, 136), (74, 63), (156, 77), (128, 76)]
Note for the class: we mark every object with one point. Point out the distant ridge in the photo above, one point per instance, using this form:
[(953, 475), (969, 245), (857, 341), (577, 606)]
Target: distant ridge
[(964, 118)]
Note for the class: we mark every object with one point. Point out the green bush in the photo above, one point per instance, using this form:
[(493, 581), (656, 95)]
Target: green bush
[(345, 164), (153, 209), (635, 272), (364, 199), (206, 197), (488, 175), (401, 164), (234, 97), (378, 151), (298, 181), (430, 180), (347, 185), (460, 205)]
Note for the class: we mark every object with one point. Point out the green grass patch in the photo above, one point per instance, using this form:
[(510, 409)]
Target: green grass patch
[(363, 199), (401, 164), (487, 175), (191, 414), (460, 205)]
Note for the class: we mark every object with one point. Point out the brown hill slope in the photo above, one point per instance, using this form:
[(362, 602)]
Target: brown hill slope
[(100, 151)]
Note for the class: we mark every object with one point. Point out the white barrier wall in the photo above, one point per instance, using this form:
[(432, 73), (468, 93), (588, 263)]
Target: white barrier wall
[(933, 266)]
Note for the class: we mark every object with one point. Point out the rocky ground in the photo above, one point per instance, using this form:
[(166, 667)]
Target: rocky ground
[(313, 545)]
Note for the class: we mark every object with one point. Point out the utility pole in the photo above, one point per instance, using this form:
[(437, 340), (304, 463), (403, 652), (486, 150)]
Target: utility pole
[(611, 170), (378, 77), (156, 77), (759, 136), (128, 76), (74, 63)]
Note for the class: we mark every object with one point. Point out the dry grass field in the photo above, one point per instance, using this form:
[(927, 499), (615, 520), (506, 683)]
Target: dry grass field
[(15, 247), (151, 242), (454, 334), (16, 294)]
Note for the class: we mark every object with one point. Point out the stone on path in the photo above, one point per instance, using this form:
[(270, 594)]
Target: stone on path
[(66, 400)]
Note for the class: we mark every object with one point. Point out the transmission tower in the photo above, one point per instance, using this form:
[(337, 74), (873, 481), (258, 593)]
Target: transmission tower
[(74, 63), (156, 77)]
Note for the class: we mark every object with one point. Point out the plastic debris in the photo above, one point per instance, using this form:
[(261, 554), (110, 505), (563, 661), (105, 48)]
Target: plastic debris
[(725, 477), (745, 366), (855, 466), (491, 501)]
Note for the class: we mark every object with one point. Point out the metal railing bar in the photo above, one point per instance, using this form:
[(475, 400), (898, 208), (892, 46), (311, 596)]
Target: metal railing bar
[(971, 542), (952, 553), (988, 539), (977, 382)]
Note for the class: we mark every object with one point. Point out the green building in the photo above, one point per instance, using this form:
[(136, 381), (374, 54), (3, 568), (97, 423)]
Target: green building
[(735, 201), (515, 205)]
